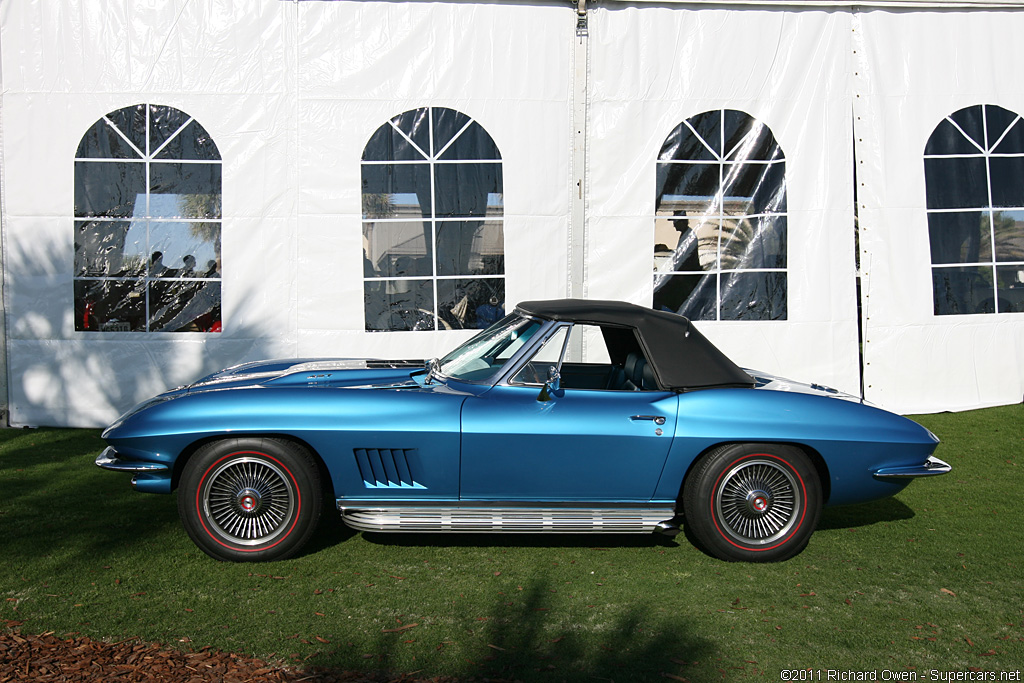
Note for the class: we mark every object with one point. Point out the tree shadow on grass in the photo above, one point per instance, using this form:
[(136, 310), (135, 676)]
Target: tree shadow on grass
[(525, 640), (57, 503)]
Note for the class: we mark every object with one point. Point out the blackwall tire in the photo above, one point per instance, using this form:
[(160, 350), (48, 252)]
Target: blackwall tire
[(752, 502), (250, 499)]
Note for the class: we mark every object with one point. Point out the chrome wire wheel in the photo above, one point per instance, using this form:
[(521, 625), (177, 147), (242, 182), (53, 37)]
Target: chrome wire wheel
[(248, 501), (757, 502)]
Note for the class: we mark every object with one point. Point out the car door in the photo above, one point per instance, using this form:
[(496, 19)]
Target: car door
[(600, 438)]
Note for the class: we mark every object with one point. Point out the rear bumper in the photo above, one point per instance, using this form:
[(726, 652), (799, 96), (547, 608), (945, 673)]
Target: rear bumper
[(150, 477), (929, 468)]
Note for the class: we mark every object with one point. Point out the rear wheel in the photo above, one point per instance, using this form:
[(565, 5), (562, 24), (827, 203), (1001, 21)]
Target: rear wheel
[(753, 502), (250, 499)]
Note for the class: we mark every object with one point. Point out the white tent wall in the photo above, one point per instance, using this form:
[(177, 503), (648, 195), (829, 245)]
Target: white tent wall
[(912, 71), (654, 67), (67, 65), (504, 65), (290, 93)]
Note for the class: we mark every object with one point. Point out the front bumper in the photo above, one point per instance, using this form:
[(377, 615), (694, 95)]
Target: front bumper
[(150, 477), (930, 468)]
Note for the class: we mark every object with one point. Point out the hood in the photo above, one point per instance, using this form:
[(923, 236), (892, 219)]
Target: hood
[(771, 382), (312, 372)]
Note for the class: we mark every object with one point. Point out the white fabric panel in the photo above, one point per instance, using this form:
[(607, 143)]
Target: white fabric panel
[(290, 94), (913, 70), (226, 64), (505, 66), (651, 69)]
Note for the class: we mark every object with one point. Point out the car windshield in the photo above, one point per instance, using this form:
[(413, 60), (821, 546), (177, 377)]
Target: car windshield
[(484, 355)]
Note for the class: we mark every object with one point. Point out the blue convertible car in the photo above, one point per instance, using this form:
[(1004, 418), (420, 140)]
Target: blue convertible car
[(565, 416)]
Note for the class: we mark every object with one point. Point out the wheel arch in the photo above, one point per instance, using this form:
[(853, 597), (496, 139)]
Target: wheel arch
[(820, 466), (186, 454)]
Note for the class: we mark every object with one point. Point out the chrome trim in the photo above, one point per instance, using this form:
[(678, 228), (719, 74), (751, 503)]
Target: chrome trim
[(108, 460), (656, 419), (515, 520), (930, 468)]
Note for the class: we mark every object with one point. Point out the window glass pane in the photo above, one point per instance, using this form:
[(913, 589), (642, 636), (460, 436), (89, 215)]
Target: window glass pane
[(694, 244), (110, 305), (396, 190), (132, 122), (590, 338), (470, 303), (192, 143), (447, 124), (1007, 175), (186, 249), (693, 296), (969, 119), (473, 143), (708, 127), (956, 183), (1009, 232), (682, 144), (185, 306), (753, 296), (102, 249), (754, 188), (960, 237), (693, 187), (465, 190), (109, 189), (1012, 141), (398, 305), (163, 123), (754, 242), (675, 241), (396, 249), (747, 138), (470, 248), (1011, 288), (188, 190), (388, 144), (103, 142), (963, 290), (998, 120), (947, 139), (535, 371)]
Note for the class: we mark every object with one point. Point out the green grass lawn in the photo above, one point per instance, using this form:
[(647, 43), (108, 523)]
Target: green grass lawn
[(930, 580)]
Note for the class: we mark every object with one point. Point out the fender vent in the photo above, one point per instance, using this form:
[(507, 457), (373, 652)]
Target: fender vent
[(388, 468)]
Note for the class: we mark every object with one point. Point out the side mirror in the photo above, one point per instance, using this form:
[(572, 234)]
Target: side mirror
[(430, 367), (553, 384)]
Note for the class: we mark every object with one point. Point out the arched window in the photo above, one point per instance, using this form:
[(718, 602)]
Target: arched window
[(433, 237), (720, 228), (147, 224), (974, 185)]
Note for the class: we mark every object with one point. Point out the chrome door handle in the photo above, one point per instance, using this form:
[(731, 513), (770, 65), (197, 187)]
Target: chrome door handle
[(656, 419)]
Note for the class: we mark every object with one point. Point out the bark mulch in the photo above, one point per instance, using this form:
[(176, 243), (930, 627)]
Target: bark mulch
[(46, 657)]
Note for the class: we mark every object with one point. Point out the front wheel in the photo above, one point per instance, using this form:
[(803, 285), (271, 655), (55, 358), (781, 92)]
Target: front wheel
[(752, 502), (250, 499)]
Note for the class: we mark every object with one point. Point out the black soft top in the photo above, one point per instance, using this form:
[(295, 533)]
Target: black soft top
[(682, 358)]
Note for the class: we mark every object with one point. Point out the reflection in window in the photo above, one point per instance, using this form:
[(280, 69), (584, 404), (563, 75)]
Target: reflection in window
[(720, 228), (433, 232), (147, 224), (974, 185)]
